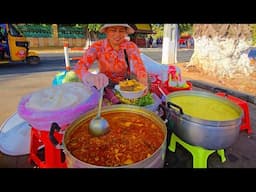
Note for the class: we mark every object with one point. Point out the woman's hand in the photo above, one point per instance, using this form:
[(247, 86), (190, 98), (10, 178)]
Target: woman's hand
[(98, 80)]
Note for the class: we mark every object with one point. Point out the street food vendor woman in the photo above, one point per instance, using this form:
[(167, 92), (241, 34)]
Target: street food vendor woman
[(110, 54)]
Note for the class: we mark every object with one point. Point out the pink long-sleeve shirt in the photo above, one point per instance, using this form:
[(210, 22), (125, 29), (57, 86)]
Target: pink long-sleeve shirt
[(112, 62)]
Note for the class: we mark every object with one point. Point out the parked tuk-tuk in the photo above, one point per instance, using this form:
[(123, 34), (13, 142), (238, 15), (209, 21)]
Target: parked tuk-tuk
[(14, 47)]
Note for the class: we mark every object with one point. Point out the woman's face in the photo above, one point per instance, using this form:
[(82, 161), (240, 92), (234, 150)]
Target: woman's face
[(116, 35)]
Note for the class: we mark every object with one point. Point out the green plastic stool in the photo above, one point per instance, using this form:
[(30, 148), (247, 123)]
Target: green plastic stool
[(200, 154)]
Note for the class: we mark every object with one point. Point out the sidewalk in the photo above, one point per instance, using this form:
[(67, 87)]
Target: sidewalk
[(47, 49)]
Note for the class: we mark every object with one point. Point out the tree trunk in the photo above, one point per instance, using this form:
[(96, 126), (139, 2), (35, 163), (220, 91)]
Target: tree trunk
[(222, 49)]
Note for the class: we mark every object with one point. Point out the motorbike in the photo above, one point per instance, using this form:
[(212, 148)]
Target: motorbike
[(14, 47)]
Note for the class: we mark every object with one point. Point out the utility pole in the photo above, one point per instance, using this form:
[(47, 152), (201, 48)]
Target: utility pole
[(170, 44)]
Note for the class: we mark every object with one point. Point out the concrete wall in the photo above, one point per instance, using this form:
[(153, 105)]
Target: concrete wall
[(55, 42)]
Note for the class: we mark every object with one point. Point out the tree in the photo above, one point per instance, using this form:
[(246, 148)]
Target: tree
[(94, 27), (159, 28), (222, 49)]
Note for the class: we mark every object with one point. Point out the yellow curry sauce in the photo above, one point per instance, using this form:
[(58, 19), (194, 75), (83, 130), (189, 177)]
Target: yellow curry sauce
[(205, 108), (131, 138)]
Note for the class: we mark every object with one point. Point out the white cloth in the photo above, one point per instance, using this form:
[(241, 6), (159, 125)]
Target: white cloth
[(154, 67), (60, 96)]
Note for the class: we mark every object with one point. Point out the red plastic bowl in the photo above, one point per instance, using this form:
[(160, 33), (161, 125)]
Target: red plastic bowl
[(171, 89)]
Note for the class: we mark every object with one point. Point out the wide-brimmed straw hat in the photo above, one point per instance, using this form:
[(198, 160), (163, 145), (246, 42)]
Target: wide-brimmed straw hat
[(130, 30)]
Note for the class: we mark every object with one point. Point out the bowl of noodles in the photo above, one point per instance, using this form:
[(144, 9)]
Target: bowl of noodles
[(131, 89)]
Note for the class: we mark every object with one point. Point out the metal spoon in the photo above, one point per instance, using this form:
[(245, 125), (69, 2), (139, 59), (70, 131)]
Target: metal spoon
[(98, 125)]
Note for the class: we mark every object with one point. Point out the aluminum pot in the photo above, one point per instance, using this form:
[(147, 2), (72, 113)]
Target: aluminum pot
[(156, 160), (210, 134)]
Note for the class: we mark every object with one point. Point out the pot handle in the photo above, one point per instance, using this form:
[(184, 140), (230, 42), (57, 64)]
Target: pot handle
[(170, 104), (54, 127), (216, 89), (162, 107)]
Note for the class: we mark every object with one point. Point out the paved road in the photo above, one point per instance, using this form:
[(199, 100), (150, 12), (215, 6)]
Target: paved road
[(183, 55), (54, 61)]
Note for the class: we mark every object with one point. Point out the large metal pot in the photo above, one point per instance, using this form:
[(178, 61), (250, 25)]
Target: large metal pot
[(210, 134), (156, 160)]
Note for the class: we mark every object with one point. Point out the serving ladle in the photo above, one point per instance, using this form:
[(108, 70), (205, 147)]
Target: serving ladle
[(99, 126)]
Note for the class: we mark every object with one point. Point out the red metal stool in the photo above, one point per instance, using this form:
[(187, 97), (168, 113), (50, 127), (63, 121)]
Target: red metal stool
[(246, 124), (52, 157)]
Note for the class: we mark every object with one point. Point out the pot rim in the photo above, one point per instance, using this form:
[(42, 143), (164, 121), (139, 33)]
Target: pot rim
[(119, 107), (210, 96)]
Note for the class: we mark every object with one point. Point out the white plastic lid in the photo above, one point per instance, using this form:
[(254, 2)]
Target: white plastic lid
[(15, 136)]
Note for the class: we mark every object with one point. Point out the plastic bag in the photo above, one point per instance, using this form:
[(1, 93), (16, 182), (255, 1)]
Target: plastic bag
[(59, 78), (42, 120), (65, 77)]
